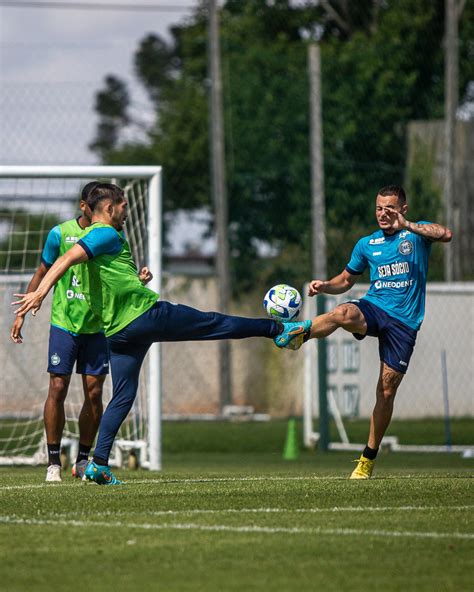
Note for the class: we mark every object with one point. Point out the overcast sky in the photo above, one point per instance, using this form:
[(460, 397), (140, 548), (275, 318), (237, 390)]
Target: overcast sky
[(53, 60)]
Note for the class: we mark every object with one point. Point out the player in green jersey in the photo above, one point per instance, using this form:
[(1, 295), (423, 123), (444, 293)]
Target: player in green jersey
[(132, 315), (76, 336)]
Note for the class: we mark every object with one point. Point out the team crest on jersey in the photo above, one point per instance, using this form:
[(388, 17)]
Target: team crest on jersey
[(405, 247), (55, 360)]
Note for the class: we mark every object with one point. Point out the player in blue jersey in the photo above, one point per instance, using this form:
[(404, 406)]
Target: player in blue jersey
[(76, 338), (392, 310)]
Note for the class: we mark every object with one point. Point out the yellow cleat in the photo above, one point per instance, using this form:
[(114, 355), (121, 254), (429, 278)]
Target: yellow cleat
[(364, 468)]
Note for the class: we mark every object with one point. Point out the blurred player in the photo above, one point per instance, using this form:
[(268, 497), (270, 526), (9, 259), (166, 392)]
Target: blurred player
[(76, 337), (393, 308), (132, 315)]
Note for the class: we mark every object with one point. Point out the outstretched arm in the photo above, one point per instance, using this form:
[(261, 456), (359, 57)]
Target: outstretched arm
[(33, 300), (337, 285)]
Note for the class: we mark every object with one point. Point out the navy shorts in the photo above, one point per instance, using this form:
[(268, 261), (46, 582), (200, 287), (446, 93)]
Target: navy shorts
[(396, 340), (88, 351)]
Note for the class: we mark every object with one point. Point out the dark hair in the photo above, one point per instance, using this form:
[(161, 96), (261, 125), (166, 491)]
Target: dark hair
[(394, 190), (104, 191), (87, 189)]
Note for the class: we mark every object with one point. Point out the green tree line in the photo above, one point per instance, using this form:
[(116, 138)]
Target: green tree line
[(382, 66)]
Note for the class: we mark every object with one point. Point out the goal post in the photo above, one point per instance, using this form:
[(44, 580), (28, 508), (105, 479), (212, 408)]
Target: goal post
[(32, 200)]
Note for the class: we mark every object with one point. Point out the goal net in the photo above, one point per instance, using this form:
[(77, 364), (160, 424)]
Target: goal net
[(435, 398), (32, 201)]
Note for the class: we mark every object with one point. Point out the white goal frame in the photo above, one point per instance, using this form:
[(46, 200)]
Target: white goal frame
[(153, 176)]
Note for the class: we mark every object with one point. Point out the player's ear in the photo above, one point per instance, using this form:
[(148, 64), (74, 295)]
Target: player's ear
[(404, 208)]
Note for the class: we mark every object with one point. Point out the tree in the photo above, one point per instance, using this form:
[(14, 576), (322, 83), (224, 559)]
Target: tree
[(382, 66)]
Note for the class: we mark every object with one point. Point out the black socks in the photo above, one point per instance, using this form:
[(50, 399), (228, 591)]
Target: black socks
[(370, 453), (100, 461), (54, 451), (83, 453)]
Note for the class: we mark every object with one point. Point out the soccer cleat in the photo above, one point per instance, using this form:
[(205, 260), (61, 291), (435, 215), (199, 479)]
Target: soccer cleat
[(100, 474), (364, 468), (53, 474), (293, 334), (79, 468)]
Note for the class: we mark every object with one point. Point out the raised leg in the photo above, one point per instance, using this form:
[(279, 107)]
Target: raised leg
[(346, 316)]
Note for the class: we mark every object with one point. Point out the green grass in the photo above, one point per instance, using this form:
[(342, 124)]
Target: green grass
[(244, 521), (219, 436)]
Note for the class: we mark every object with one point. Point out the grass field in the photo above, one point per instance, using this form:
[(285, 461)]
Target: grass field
[(244, 521)]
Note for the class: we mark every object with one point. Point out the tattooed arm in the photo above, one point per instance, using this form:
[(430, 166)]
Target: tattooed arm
[(432, 232)]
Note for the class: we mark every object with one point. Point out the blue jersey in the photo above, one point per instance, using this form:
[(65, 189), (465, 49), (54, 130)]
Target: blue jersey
[(102, 241), (51, 247), (398, 266)]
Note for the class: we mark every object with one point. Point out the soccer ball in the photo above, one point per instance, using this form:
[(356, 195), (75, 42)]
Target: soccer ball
[(282, 303)]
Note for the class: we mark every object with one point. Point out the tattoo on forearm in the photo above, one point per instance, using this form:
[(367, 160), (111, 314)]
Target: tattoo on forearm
[(431, 231)]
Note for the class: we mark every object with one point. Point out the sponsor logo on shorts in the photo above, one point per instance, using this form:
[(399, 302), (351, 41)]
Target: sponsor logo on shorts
[(405, 247), (55, 360), (402, 363)]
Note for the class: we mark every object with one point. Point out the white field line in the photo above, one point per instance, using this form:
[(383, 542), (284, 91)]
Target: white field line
[(332, 510), (242, 529)]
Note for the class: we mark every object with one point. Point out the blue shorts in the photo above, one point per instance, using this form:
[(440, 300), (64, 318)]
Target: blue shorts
[(88, 351), (396, 340)]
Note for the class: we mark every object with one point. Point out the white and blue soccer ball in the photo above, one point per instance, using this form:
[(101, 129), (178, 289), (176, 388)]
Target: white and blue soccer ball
[(282, 303)]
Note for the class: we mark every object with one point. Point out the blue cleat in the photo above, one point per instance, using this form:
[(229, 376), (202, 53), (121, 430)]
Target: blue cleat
[(293, 335), (100, 474)]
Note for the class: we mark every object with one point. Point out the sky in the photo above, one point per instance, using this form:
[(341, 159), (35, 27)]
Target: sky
[(53, 61)]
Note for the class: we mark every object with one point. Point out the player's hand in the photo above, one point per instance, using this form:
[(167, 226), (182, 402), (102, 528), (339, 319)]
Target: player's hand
[(397, 219), (31, 301), (15, 332), (145, 275), (316, 287)]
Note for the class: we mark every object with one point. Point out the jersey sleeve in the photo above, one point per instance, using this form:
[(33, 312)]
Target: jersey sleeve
[(423, 238), (101, 241), (51, 246), (358, 261)]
